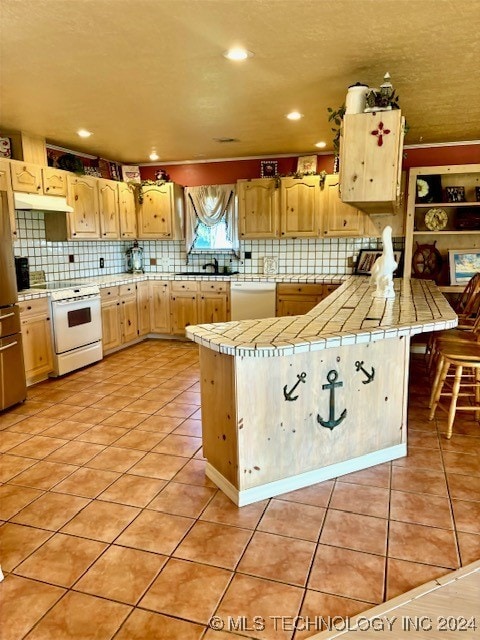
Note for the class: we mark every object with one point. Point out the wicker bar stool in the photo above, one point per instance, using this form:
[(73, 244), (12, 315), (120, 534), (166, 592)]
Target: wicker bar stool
[(465, 359)]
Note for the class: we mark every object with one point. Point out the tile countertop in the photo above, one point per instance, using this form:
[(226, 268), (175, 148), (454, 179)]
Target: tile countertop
[(127, 278), (349, 315)]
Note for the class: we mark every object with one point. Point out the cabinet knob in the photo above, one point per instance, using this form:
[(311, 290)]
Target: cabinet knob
[(76, 197), (47, 189), (38, 187)]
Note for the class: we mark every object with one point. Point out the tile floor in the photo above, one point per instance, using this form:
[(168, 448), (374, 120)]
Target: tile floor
[(109, 528)]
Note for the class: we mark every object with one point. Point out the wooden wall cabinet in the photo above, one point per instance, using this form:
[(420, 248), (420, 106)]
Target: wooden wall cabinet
[(371, 148), (160, 215), (258, 208), (84, 221), (6, 187), (33, 178), (127, 211), (108, 206), (453, 235), (300, 213), (339, 219), (36, 339)]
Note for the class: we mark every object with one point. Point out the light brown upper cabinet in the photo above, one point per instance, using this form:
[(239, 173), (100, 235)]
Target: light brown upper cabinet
[(300, 214), (128, 216), (371, 148), (83, 197), (160, 214), (6, 186), (339, 219), (32, 178), (109, 209), (258, 208)]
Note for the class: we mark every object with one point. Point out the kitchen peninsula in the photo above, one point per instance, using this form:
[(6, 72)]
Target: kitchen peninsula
[(288, 402)]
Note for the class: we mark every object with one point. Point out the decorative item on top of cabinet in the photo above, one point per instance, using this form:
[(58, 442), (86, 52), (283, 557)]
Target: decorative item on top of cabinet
[(36, 339), (454, 228), (370, 160), (258, 204), (160, 212), (109, 209)]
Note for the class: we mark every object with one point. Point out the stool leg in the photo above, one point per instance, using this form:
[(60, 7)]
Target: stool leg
[(453, 404), (442, 369)]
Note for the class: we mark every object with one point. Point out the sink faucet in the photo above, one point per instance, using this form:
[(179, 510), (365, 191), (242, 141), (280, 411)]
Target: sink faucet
[(213, 264)]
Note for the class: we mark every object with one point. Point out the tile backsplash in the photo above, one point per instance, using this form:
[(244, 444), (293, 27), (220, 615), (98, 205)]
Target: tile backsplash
[(67, 260)]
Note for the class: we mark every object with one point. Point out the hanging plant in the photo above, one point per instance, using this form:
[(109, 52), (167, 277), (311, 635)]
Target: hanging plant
[(149, 183), (336, 116)]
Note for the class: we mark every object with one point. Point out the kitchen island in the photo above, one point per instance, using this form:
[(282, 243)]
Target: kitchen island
[(291, 401)]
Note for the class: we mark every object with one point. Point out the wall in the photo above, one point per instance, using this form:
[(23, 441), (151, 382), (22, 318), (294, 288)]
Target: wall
[(329, 256)]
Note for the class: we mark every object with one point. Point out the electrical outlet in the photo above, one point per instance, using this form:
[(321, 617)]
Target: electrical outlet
[(71, 257), (102, 263), (350, 261)]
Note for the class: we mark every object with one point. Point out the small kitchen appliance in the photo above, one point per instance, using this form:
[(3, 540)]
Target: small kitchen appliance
[(134, 259), (22, 272)]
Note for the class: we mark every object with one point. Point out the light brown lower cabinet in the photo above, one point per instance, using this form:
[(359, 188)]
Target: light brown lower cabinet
[(119, 316), (298, 299), (36, 339), (197, 303), (143, 307), (159, 306)]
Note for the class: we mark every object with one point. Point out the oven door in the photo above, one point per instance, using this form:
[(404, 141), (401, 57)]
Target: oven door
[(76, 323)]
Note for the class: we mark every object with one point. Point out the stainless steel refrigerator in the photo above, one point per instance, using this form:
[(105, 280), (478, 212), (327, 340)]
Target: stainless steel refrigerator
[(12, 371)]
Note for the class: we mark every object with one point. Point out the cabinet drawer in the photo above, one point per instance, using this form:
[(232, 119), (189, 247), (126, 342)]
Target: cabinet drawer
[(127, 289), (35, 307), (108, 293), (184, 285), (214, 287), (295, 289)]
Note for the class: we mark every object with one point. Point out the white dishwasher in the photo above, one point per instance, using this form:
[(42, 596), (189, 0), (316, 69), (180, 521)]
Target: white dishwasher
[(252, 300)]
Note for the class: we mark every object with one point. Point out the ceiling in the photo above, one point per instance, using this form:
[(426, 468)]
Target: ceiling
[(149, 74)]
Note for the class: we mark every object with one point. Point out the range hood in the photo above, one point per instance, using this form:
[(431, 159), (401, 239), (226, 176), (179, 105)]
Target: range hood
[(36, 202)]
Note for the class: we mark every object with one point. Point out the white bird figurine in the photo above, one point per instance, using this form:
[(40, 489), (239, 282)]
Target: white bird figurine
[(382, 270)]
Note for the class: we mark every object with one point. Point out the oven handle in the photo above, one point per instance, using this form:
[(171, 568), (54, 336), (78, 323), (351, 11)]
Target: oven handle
[(66, 303), (7, 346)]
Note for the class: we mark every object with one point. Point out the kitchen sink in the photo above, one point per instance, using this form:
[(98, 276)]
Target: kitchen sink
[(205, 273)]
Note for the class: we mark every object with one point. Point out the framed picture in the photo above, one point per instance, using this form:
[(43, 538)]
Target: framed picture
[(464, 264), (307, 164), (268, 168), (429, 188), (455, 194), (367, 258)]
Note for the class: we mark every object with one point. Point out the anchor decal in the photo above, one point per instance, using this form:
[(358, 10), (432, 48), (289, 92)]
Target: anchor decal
[(370, 376), (331, 423), (288, 394)]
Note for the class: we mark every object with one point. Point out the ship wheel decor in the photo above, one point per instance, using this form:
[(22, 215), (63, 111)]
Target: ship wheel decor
[(427, 261)]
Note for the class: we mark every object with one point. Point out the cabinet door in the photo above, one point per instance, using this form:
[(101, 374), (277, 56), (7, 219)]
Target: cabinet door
[(143, 308), (160, 307), (111, 327), (296, 305), (6, 187), (212, 307), (83, 195), (183, 312), (128, 307), (155, 212), (26, 177), (12, 387), (37, 347), (300, 207), (108, 208), (128, 216), (54, 181), (340, 219), (258, 208)]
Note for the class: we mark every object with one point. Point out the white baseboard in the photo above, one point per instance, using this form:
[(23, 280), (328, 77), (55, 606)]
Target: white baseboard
[(271, 489)]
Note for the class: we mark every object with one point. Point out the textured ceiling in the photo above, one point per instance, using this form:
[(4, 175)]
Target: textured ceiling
[(145, 74)]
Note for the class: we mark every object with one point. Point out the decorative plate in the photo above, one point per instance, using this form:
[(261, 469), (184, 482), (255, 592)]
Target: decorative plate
[(436, 219)]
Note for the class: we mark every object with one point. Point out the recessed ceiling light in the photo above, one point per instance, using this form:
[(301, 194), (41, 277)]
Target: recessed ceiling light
[(294, 115), (237, 53), (321, 145), (83, 133), (154, 155)]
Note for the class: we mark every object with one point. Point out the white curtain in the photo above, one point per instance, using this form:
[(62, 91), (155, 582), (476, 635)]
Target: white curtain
[(210, 204)]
